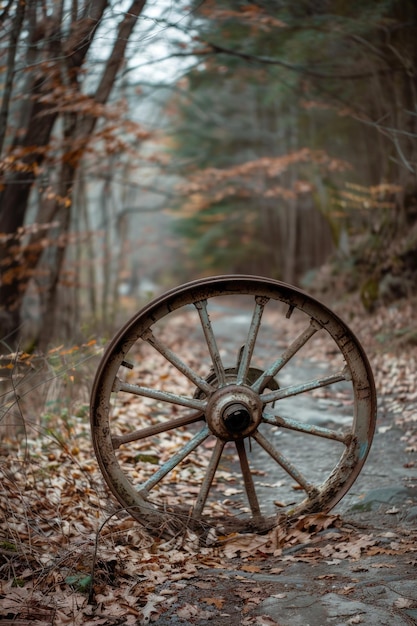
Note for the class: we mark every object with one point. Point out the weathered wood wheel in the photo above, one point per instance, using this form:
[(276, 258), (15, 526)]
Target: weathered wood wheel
[(222, 384)]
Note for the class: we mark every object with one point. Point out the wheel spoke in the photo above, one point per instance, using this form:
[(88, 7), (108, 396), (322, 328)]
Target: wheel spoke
[(246, 355), (248, 480), (285, 463), (174, 461), (155, 429), (155, 394), (208, 479), (201, 307), (170, 356), (310, 429), (294, 390), (296, 345)]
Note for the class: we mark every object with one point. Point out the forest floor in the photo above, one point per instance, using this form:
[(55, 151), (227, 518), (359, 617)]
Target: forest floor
[(69, 556)]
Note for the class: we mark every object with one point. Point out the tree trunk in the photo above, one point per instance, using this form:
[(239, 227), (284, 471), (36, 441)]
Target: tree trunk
[(10, 73), (28, 152)]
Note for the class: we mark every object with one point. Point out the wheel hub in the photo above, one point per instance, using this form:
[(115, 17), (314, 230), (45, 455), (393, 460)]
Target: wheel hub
[(233, 412)]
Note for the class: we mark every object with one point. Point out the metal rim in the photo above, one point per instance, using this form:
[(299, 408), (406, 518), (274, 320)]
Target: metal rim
[(232, 404)]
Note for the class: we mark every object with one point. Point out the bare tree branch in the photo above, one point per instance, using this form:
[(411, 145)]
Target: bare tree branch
[(301, 69), (114, 63)]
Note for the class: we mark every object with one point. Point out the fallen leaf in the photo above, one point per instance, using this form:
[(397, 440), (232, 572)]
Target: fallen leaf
[(244, 545), (187, 611), (250, 568), (403, 603), (392, 510), (346, 590)]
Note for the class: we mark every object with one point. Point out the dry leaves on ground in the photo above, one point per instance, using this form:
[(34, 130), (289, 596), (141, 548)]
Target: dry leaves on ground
[(68, 556)]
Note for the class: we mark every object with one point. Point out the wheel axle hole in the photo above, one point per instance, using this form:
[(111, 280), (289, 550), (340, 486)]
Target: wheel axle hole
[(236, 418)]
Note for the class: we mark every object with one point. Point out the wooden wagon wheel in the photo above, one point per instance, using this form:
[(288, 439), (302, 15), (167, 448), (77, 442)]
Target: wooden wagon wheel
[(207, 392)]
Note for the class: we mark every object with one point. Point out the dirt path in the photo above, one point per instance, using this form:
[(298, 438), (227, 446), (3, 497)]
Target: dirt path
[(364, 571)]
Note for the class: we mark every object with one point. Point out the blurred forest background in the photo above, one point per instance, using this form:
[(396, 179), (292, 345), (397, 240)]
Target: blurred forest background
[(146, 143), (143, 144)]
